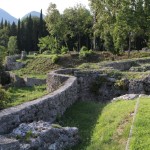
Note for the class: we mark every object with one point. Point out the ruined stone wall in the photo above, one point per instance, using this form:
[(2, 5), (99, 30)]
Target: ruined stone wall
[(17, 81), (67, 86), (47, 108), (12, 64), (127, 64)]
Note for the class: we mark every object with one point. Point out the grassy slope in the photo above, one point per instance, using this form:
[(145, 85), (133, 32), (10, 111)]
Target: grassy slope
[(24, 94), (102, 127), (38, 66), (141, 131)]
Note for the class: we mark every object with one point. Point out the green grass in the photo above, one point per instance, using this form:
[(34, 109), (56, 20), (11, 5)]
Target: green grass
[(141, 132), (25, 94), (101, 126), (135, 75), (36, 67)]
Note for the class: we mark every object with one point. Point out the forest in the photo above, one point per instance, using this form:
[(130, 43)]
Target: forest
[(114, 26)]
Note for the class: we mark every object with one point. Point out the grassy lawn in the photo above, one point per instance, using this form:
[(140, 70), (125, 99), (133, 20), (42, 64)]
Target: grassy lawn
[(25, 94), (141, 132), (101, 126)]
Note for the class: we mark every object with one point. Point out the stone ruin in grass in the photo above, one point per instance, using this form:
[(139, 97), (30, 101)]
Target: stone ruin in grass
[(30, 125)]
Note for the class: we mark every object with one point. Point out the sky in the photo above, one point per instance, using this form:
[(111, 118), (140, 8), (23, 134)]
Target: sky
[(18, 8)]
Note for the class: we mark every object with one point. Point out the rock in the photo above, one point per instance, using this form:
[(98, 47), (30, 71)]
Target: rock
[(44, 135), (136, 87), (11, 64), (146, 84), (23, 55), (126, 97), (8, 144)]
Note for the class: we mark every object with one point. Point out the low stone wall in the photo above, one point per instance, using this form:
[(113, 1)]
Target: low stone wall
[(57, 78), (26, 81), (46, 108), (127, 64), (34, 81), (71, 85), (122, 66)]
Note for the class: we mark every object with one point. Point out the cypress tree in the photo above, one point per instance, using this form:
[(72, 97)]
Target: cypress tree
[(41, 25)]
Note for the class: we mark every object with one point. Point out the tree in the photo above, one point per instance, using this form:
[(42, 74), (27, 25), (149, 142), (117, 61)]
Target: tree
[(72, 28), (48, 43), (13, 29), (12, 45), (41, 25), (79, 23), (19, 35), (122, 24), (4, 36)]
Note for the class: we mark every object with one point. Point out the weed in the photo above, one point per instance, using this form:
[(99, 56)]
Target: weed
[(56, 126)]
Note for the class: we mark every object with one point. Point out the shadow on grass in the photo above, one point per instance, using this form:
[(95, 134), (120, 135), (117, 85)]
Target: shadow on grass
[(83, 115)]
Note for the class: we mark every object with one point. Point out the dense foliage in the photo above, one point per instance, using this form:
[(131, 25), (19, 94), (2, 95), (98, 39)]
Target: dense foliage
[(110, 25), (122, 24), (27, 32)]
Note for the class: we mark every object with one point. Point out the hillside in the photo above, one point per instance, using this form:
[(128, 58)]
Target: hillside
[(38, 66), (6, 16), (33, 14)]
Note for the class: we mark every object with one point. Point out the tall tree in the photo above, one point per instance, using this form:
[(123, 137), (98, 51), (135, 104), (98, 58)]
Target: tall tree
[(13, 29), (41, 25)]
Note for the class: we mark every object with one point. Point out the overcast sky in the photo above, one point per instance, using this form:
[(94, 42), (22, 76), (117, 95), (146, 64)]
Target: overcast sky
[(18, 8)]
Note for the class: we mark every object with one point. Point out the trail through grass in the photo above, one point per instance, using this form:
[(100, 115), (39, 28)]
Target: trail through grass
[(101, 126), (141, 132)]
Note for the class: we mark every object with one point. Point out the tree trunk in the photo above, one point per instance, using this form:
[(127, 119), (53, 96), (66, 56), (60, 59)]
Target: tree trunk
[(129, 49), (94, 43), (79, 42)]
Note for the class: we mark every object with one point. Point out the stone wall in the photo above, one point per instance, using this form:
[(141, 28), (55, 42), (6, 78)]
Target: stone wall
[(46, 108), (34, 81), (12, 64), (57, 78), (127, 64), (141, 86), (26, 81), (96, 86)]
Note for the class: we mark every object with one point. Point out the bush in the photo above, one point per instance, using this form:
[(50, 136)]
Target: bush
[(85, 53), (84, 48), (4, 98), (55, 58), (47, 52), (64, 50)]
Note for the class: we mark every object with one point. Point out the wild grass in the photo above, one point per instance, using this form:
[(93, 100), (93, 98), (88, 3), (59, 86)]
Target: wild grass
[(101, 126), (141, 132), (25, 94)]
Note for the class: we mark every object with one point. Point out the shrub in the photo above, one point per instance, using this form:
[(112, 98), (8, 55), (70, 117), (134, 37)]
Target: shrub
[(64, 50), (4, 98), (55, 58), (85, 53), (84, 48), (121, 84), (47, 52)]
